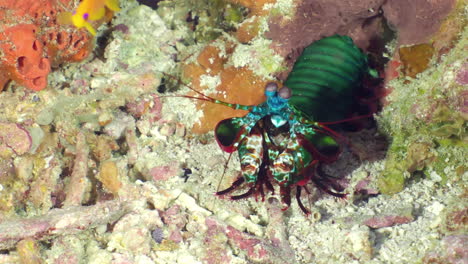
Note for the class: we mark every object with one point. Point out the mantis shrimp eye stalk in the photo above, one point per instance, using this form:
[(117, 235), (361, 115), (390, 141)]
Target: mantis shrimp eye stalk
[(271, 87), (285, 93)]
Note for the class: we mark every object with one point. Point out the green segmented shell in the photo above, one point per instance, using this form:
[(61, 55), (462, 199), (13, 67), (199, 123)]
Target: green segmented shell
[(325, 77)]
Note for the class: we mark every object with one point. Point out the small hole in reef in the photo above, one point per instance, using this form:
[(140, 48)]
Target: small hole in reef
[(81, 54), (151, 3), (78, 43), (150, 205), (162, 88), (60, 38), (21, 61), (70, 39), (35, 45)]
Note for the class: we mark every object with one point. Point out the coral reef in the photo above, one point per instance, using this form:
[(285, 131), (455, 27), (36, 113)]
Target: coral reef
[(423, 113), (103, 166), (33, 41)]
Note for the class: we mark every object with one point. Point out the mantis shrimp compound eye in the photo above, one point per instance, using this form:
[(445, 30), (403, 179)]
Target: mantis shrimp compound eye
[(285, 92), (271, 87)]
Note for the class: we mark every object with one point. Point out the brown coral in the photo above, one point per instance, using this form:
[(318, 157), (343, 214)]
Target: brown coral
[(416, 58), (109, 177)]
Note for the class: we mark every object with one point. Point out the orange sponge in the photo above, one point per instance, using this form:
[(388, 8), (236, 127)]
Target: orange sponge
[(210, 60), (193, 72), (238, 85), (32, 40), (248, 30), (63, 46), (23, 59)]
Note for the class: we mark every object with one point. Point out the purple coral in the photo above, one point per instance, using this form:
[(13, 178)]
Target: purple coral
[(416, 20), (122, 28), (14, 137), (158, 235), (388, 220), (462, 75)]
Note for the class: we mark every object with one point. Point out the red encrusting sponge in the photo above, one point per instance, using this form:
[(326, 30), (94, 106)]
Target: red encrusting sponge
[(32, 41), (23, 59)]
